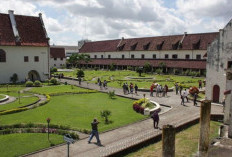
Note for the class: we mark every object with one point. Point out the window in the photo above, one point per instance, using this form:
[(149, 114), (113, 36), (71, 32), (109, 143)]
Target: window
[(154, 56), (187, 56), (61, 59), (36, 58), (102, 56), (2, 56), (142, 56), (55, 65), (175, 56), (166, 56), (109, 56), (123, 56), (61, 64), (229, 64), (132, 56), (55, 59), (26, 59), (95, 56), (198, 56)]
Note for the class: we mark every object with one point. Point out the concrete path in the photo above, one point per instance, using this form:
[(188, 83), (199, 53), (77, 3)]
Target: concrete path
[(121, 138)]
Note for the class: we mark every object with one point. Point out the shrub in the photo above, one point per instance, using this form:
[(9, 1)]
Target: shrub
[(112, 67), (53, 69), (129, 68), (29, 84), (13, 110), (193, 90), (14, 78), (111, 94), (158, 71), (54, 81), (37, 83), (96, 68), (139, 70), (105, 114)]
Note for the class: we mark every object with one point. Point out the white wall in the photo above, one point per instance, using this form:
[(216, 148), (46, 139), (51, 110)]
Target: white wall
[(57, 63), (149, 54), (15, 62)]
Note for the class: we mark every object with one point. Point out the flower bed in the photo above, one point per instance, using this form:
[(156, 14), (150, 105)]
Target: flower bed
[(145, 106)]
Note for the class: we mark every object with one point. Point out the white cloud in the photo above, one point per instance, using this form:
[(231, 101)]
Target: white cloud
[(72, 20)]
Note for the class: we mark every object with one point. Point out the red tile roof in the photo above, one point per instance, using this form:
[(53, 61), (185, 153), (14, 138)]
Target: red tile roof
[(200, 41), (30, 31), (190, 64), (57, 52)]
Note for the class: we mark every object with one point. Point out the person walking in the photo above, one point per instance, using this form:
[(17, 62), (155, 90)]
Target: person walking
[(177, 88), (182, 99), (200, 84), (185, 93), (195, 99), (124, 88), (136, 89), (155, 117), (181, 88), (151, 90), (166, 90), (94, 131), (131, 88)]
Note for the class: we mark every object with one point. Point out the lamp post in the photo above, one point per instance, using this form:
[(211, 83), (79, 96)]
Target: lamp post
[(19, 97), (48, 121), (7, 86), (144, 95)]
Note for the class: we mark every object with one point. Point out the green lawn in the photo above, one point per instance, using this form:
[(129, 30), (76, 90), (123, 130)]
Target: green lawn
[(12, 145), (23, 101), (2, 96), (57, 89), (11, 88), (113, 78), (186, 143), (78, 111)]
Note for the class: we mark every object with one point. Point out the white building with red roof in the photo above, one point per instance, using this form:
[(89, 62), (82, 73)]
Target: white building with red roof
[(177, 52), (24, 48), (57, 57)]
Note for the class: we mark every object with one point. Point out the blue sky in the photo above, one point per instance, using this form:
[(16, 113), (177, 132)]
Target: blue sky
[(68, 21)]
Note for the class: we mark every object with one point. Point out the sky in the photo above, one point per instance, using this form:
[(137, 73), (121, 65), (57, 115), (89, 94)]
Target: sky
[(69, 21)]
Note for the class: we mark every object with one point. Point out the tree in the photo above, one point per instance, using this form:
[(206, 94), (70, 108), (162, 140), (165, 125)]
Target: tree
[(163, 66), (112, 67), (147, 67), (14, 78), (76, 59), (105, 114), (80, 73), (139, 70), (111, 94)]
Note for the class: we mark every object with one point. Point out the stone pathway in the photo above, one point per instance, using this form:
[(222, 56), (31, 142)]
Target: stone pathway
[(124, 137), (11, 99)]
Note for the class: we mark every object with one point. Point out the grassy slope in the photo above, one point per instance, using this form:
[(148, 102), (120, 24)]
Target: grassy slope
[(186, 143), (78, 111), (18, 144)]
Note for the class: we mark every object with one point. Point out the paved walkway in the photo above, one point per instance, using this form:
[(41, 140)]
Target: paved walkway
[(118, 139)]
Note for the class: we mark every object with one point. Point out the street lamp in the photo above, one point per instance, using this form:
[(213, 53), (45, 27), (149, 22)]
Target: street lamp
[(144, 95), (48, 121), (19, 97)]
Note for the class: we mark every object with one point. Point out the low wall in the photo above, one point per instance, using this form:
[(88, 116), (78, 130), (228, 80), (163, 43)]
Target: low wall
[(4, 99)]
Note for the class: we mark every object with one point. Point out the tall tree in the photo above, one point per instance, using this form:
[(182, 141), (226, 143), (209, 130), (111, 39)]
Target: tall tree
[(75, 59)]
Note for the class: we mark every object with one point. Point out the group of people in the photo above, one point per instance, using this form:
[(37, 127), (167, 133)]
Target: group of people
[(184, 95), (129, 89), (102, 84), (159, 89)]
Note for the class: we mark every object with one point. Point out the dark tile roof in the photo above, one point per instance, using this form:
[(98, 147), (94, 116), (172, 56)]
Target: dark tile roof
[(190, 64), (30, 31), (191, 41), (57, 52)]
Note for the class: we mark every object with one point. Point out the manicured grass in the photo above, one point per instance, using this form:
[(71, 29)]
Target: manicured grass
[(186, 142), (23, 101), (78, 111), (10, 89), (113, 78), (2, 96), (57, 89), (18, 144)]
